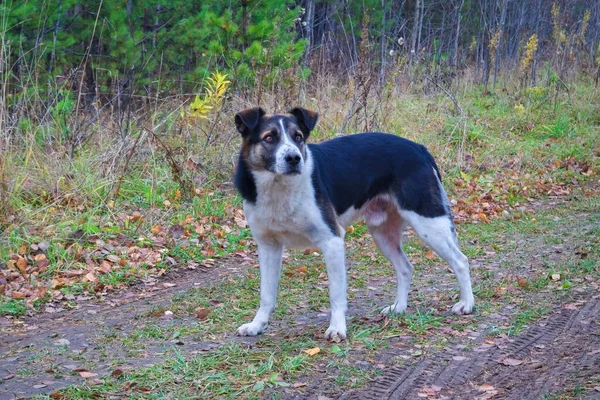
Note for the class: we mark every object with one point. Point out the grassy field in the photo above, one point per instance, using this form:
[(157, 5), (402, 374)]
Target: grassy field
[(521, 167)]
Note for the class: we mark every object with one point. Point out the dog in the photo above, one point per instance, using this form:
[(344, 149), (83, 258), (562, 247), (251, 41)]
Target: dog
[(301, 195)]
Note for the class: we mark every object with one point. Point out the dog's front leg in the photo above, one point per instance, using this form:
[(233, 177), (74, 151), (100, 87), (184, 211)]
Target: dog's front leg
[(334, 254), (269, 258)]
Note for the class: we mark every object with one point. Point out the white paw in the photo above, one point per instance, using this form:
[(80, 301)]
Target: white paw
[(335, 334), (464, 307), (395, 308), (251, 329)]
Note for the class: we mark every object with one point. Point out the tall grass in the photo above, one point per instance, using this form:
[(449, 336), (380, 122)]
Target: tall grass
[(57, 159)]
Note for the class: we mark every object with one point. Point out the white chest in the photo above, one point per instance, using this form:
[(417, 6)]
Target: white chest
[(286, 211)]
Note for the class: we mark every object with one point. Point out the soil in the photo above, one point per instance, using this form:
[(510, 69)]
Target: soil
[(559, 352)]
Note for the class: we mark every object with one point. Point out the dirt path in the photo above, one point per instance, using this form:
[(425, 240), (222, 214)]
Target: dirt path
[(46, 352), (563, 351)]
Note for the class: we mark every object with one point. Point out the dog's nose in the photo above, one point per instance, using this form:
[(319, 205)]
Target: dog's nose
[(292, 159)]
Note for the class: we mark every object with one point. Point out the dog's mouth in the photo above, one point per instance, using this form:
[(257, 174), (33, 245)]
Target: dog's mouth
[(296, 170)]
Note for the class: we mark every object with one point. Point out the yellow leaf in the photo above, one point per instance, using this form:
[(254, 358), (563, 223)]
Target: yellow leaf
[(313, 351)]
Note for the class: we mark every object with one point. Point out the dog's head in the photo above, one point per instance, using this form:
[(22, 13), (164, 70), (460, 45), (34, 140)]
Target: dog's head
[(275, 142)]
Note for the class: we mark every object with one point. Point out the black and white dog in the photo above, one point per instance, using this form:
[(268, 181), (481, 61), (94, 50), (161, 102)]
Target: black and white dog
[(304, 195)]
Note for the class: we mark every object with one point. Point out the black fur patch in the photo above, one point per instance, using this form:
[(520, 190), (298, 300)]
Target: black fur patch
[(356, 168), (244, 181)]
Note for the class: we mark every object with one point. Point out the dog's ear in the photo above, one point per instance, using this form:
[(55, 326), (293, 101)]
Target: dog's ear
[(306, 118), (247, 119)]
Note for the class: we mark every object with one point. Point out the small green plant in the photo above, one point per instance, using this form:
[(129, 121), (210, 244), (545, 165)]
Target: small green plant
[(12, 307)]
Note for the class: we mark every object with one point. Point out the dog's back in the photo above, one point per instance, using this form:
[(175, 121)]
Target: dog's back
[(354, 169)]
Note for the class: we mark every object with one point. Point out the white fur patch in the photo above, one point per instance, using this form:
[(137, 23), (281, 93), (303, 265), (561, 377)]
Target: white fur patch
[(286, 147)]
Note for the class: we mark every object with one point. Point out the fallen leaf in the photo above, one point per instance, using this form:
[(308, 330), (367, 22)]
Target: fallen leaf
[(87, 374), (113, 258), (18, 295), (523, 282), (61, 342), (555, 277), (7, 377), (202, 313), (430, 255), (56, 395), (512, 362), (22, 265), (41, 385), (298, 384), (136, 216), (313, 351), (301, 269), (573, 306), (486, 388), (117, 373), (91, 277), (72, 273), (105, 267)]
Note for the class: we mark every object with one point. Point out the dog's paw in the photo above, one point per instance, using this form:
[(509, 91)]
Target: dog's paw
[(464, 307), (335, 334), (395, 308), (251, 329)]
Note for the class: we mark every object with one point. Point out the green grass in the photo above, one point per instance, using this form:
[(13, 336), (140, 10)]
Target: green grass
[(12, 307), (522, 319)]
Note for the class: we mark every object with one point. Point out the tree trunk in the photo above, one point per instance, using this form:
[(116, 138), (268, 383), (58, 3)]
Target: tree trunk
[(457, 36), (309, 28), (500, 37), (383, 35), (54, 38), (537, 32), (416, 31)]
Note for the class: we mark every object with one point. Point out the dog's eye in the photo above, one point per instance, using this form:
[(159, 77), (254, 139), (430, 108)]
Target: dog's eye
[(269, 139), (298, 137)]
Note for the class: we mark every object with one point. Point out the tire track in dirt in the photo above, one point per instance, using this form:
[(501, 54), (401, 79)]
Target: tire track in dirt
[(560, 353)]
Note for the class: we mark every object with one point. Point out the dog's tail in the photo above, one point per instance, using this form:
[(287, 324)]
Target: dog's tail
[(432, 162)]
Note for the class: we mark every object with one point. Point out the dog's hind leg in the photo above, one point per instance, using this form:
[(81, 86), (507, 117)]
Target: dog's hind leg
[(269, 258), (388, 237), (438, 233)]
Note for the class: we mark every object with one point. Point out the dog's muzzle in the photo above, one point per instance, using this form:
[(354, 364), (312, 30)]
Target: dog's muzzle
[(293, 163)]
